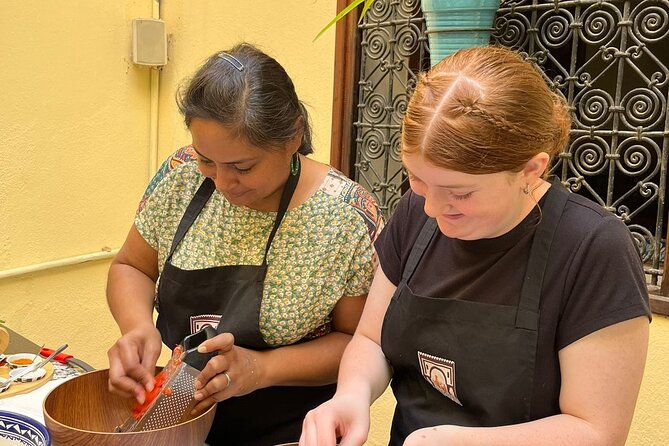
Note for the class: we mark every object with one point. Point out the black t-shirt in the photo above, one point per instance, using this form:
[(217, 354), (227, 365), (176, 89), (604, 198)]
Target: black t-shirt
[(594, 277)]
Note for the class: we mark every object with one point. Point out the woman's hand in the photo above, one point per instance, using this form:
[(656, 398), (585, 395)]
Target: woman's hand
[(235, 371), (132, 362), (344, 416)]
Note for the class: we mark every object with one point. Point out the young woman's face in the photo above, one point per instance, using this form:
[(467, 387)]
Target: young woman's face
[(468, 207), (246, 175)]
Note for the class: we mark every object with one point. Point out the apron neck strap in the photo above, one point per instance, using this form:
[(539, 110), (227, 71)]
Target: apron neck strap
[(419, 247), (192, 211), (527, 316), (286, 196)]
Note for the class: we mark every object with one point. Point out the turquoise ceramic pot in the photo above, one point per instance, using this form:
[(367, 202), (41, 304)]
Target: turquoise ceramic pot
[(456, 24)]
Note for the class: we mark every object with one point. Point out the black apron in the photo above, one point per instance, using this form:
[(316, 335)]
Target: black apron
[(189, 298), (466, 363)]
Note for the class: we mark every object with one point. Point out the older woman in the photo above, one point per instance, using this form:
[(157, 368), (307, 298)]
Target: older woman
[(244, 232)]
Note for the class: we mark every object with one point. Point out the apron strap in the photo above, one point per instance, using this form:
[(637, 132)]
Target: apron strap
[(286, 196), (527, 316), (424, 238), (192, 211)]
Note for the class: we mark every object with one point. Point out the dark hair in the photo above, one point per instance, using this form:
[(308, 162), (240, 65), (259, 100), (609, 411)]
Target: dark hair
[(484, 110), (249, 92)]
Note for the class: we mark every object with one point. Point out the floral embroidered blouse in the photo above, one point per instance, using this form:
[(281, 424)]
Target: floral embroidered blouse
[(322, 251)]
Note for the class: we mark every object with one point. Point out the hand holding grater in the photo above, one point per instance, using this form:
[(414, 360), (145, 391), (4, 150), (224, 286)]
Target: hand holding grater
[(171, 400)]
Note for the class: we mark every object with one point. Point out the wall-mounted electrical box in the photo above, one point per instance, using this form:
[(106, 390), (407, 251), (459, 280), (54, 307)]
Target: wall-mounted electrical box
[(149, 42)]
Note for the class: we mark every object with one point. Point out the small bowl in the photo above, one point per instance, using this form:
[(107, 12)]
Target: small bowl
[(22, 360), (28, 377), (23, 429)]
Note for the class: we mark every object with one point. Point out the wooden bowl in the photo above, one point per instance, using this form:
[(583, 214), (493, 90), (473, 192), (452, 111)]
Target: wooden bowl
[(81, 411)]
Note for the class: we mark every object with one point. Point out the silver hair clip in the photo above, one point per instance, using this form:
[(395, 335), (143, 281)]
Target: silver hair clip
[(232, 60)]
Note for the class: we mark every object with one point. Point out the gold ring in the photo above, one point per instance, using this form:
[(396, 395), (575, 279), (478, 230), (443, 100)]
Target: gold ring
[(229, 379)]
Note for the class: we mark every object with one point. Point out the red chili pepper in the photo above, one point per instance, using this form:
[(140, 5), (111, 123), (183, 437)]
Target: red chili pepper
[(138, 410)]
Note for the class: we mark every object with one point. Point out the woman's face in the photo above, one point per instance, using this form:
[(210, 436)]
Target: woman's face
[(469, 207), (246, 175)]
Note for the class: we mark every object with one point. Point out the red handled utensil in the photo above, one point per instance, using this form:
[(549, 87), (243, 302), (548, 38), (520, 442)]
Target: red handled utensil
[(66, 359), (60, 357)]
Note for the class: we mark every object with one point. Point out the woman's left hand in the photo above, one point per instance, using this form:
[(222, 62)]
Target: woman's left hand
[(234, 371)]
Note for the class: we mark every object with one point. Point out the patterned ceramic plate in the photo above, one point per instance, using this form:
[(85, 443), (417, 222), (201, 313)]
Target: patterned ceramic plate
[(23, 430), (28, 377)]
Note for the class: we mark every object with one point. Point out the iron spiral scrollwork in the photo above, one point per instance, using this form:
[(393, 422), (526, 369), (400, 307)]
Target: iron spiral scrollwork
[(394, 49), (607, 58)]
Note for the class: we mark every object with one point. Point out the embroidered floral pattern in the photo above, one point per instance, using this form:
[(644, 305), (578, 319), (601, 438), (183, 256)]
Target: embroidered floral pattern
[(322, 251)]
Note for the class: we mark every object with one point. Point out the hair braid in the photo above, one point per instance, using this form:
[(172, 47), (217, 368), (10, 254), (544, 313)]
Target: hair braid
[(484, 110), (504, 124)]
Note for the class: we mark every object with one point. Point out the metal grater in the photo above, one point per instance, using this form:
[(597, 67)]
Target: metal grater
[(174, 400)]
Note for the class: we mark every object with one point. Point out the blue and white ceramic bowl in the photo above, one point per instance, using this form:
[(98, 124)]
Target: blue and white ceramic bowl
[(23, 430)]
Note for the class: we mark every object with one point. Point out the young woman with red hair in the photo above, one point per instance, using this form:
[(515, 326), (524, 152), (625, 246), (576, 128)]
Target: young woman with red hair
[(506, 310)]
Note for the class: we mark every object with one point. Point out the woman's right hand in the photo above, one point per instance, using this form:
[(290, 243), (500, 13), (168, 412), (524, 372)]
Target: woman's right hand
[(132, 362), (344, 416)]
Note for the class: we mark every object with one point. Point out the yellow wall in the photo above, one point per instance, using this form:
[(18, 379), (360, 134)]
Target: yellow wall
[(283, 29), (74, 121), (73, 125), (650, 420)]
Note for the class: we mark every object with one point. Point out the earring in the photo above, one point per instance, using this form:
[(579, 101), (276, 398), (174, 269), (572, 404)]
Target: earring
[(526, 189), (295, 164)]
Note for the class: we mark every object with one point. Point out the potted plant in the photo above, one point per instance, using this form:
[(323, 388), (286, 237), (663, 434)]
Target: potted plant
[(451, 24)]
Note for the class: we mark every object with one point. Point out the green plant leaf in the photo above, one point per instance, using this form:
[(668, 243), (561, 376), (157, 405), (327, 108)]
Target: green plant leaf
[(354, 4), (368, 4)]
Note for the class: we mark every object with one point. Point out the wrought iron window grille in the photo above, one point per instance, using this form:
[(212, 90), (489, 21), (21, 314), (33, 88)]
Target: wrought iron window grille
[(608, 58)]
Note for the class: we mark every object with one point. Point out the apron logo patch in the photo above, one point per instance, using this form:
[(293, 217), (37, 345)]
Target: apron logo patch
[(440, 373), (202, 320)]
